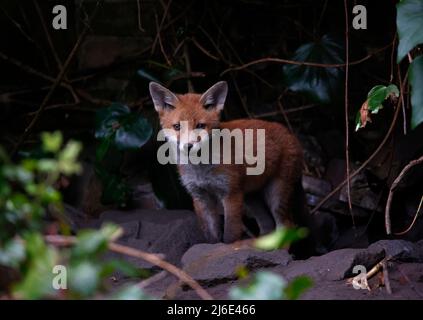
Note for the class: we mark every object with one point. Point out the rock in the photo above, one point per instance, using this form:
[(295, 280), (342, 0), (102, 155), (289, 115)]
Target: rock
[(212, 264), (400, 250), (316, 186), (338, 264), (166, 232), (335, 265)]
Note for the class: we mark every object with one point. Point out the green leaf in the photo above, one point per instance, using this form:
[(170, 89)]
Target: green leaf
[(68, 158), (128, 269), (297, 287), (102, 149), (13, 253), (409, 25), (126, 130), (131, 293), (375, 98), (416, 81), (84, 278), (107, 120), (37, 281), (378, 94), (280, 238), (52, 141), (133, 133), (92, 242), (264, 286), (321, 84)]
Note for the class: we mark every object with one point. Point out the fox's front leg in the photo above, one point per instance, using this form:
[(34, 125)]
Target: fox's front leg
[(208, 215), (233, 205)]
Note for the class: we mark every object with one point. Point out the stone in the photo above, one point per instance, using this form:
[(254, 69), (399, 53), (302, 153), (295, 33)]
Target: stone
[(166, 232), (400, 250), (211, 264), (335, 265)]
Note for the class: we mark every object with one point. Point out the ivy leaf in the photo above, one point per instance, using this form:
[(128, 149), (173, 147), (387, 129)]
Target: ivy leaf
[(126, 130), (378, 94), (416, 81), (280, 238), (107, 120), (409, 25), (321, 84), (133, 133), (375, 98)]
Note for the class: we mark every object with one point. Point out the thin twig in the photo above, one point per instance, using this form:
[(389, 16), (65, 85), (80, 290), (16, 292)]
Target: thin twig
[(414, 220), (404, 116), (149, 257), (386, 281), (57, 82), (203, 50), (346, 111), (391, 77), (371, 157), (53, 49), (282, 110), (305, 63), (139, 16), (241, 98), (160, 41), (287, 111), (391, 194), (193, 74), (31, 70), (188, 67), (159, 29)]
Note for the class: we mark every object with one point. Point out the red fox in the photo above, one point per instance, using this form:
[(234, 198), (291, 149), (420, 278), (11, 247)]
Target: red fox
[(225, 185)]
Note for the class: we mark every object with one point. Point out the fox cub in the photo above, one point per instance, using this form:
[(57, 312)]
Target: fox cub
[(216, 186)]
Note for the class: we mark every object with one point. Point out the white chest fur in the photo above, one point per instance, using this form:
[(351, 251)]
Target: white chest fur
[(200, 179)]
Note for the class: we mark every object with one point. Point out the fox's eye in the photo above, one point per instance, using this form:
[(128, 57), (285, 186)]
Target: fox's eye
[(200, 126), (209, 106), (177, 126), (168, 106)]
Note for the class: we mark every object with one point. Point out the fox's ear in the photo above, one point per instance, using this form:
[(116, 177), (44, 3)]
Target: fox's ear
[(214, 98), (163, 98)]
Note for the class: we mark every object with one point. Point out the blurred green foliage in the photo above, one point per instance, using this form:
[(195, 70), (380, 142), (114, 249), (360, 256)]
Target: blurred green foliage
[(27, 197)]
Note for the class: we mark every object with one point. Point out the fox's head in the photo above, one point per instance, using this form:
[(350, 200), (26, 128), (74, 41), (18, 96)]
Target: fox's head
[(191, 117)]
